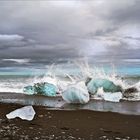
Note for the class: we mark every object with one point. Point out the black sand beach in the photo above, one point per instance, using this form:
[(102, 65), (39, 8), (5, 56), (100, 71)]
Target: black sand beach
[(57, 52), (53, 124), (68, 125)]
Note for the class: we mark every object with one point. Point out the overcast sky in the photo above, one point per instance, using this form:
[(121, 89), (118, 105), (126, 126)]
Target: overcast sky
[(69, 29)]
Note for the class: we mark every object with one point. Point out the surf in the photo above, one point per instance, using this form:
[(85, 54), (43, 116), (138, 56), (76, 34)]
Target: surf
[(111, 83)]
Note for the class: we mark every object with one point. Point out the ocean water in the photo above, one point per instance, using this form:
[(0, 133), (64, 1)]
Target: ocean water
[(14, 79)]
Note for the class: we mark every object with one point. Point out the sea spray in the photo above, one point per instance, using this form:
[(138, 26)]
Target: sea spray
[(64, 79), (46, 85)]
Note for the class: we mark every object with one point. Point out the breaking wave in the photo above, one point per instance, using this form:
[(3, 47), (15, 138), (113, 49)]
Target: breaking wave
[(17, 83)]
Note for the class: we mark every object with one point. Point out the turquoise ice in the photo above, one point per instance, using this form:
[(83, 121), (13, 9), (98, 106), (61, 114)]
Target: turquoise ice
[(107, 85), (29, 89), (76, 93), (45, 88)]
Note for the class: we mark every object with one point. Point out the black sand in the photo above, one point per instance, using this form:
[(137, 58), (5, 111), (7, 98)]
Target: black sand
[(50, 124)]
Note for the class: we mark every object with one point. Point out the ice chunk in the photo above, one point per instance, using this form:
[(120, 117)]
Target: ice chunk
[(29, 89), (108, 96), (108, 86), (76, 93), (25, 113), (113, 97), (45, 89)]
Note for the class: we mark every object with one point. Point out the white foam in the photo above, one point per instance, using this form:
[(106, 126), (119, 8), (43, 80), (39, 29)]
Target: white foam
[(17, 84), (14, 84)]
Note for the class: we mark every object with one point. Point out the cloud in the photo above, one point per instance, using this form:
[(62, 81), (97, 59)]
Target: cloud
[(14, 40), (52, 30), (19, 61), (10, 37)]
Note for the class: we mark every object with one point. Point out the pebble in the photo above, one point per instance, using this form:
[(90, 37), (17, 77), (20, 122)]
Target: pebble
[(31, 128), (71, 138), (40, 116), (63, 132), (117, 138)]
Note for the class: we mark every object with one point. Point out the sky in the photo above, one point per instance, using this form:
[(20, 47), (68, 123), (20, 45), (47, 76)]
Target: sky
[(57, 31)]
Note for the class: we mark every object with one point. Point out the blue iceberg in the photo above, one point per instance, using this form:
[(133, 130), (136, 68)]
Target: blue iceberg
[(107, 85), (76, 94), (45, 88), (29, 89)]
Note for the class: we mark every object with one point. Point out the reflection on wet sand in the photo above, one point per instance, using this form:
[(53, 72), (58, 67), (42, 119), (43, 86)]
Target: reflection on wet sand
[(123, 107)]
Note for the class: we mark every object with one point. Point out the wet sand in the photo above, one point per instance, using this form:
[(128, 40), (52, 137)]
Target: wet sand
[(123, 107), (68, 125)]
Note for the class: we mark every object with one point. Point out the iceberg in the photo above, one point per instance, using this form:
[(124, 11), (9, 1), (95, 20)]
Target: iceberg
[(25, 113), (29, 89), (48, 86), (108, 96), (107, 85), (76, 93), (112, 97), (44, 88)]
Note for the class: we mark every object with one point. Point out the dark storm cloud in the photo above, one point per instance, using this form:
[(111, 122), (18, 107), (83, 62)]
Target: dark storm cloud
[(128, 14), (55, 30)]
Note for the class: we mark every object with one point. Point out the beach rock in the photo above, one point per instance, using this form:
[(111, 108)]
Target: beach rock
[(76, 93), (25, 113), (107, 85), (129, 92)]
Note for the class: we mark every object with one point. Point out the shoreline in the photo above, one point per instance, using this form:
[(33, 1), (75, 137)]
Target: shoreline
[(57, 103), (68, 125)]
